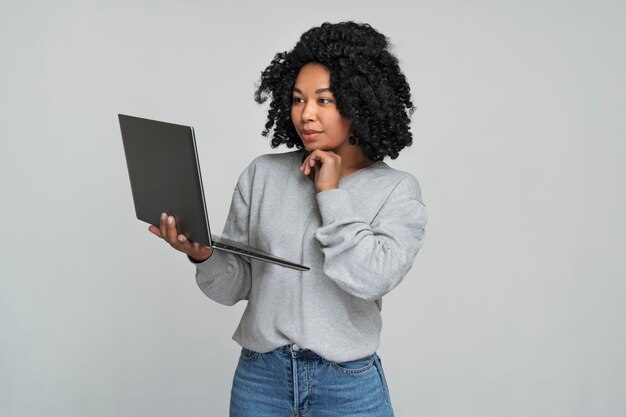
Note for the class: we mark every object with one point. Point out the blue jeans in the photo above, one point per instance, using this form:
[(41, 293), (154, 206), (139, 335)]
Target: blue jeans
[(287, 382)]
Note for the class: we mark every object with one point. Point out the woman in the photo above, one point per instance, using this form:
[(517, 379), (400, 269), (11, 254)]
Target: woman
[(309, 339)]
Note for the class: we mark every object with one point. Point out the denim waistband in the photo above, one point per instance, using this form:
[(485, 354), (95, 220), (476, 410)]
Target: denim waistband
[(288, 350)]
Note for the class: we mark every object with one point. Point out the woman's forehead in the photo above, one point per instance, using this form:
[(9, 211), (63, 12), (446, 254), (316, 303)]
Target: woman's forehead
[(313, 77)]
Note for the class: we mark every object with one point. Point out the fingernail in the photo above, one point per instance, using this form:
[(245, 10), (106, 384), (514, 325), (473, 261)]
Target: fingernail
[(162, 216), (181, 238), (170, 219)]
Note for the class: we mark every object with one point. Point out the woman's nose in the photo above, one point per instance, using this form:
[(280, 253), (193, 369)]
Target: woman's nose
[(308, 112)]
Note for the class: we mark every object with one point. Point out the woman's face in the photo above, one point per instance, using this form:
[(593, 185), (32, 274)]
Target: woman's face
[(314, 111)]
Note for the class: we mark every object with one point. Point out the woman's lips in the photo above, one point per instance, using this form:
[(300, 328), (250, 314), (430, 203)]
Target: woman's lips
[(310, 134)]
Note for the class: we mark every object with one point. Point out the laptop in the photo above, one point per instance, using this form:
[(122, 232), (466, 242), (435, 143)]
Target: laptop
[(164, 172)]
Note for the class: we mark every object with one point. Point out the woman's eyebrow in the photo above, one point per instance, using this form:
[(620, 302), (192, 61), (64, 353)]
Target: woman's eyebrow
[(319, 90)]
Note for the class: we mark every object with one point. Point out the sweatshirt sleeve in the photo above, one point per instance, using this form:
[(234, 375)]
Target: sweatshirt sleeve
[(226, 277), (369, 260)]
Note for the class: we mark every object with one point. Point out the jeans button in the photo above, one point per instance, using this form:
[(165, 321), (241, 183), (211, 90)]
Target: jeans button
[(295, 347)]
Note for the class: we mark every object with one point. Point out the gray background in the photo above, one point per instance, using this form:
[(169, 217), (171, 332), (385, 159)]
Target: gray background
[(515, 306)]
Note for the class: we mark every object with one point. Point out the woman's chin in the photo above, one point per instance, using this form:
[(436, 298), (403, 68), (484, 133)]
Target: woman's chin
[(312, 146)]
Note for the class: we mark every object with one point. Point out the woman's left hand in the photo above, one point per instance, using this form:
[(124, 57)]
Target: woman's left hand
[(327, 166)]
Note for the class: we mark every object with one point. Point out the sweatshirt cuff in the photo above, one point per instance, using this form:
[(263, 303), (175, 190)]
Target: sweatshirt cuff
[(334, 204)]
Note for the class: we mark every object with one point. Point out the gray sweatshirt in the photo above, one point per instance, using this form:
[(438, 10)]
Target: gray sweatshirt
[(359, 240)]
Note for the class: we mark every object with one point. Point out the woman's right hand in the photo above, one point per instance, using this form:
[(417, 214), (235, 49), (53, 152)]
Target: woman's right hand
[(167, 231)]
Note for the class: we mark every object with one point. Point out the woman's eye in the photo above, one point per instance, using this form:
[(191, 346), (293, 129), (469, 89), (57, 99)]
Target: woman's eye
[(297, 100), (325, 100)]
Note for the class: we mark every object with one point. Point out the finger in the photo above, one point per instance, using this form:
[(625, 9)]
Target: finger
[(197, 251), (317, 167), (327, 158), (162, 225), (178, 240), (155, 230), (202, 252), (313, 158), (171, 230), (322, 156), (303, 165), (185, 244), (197, 247), (315, 163)]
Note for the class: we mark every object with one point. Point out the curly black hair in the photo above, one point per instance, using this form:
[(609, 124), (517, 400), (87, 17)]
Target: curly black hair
[(366, 80)]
